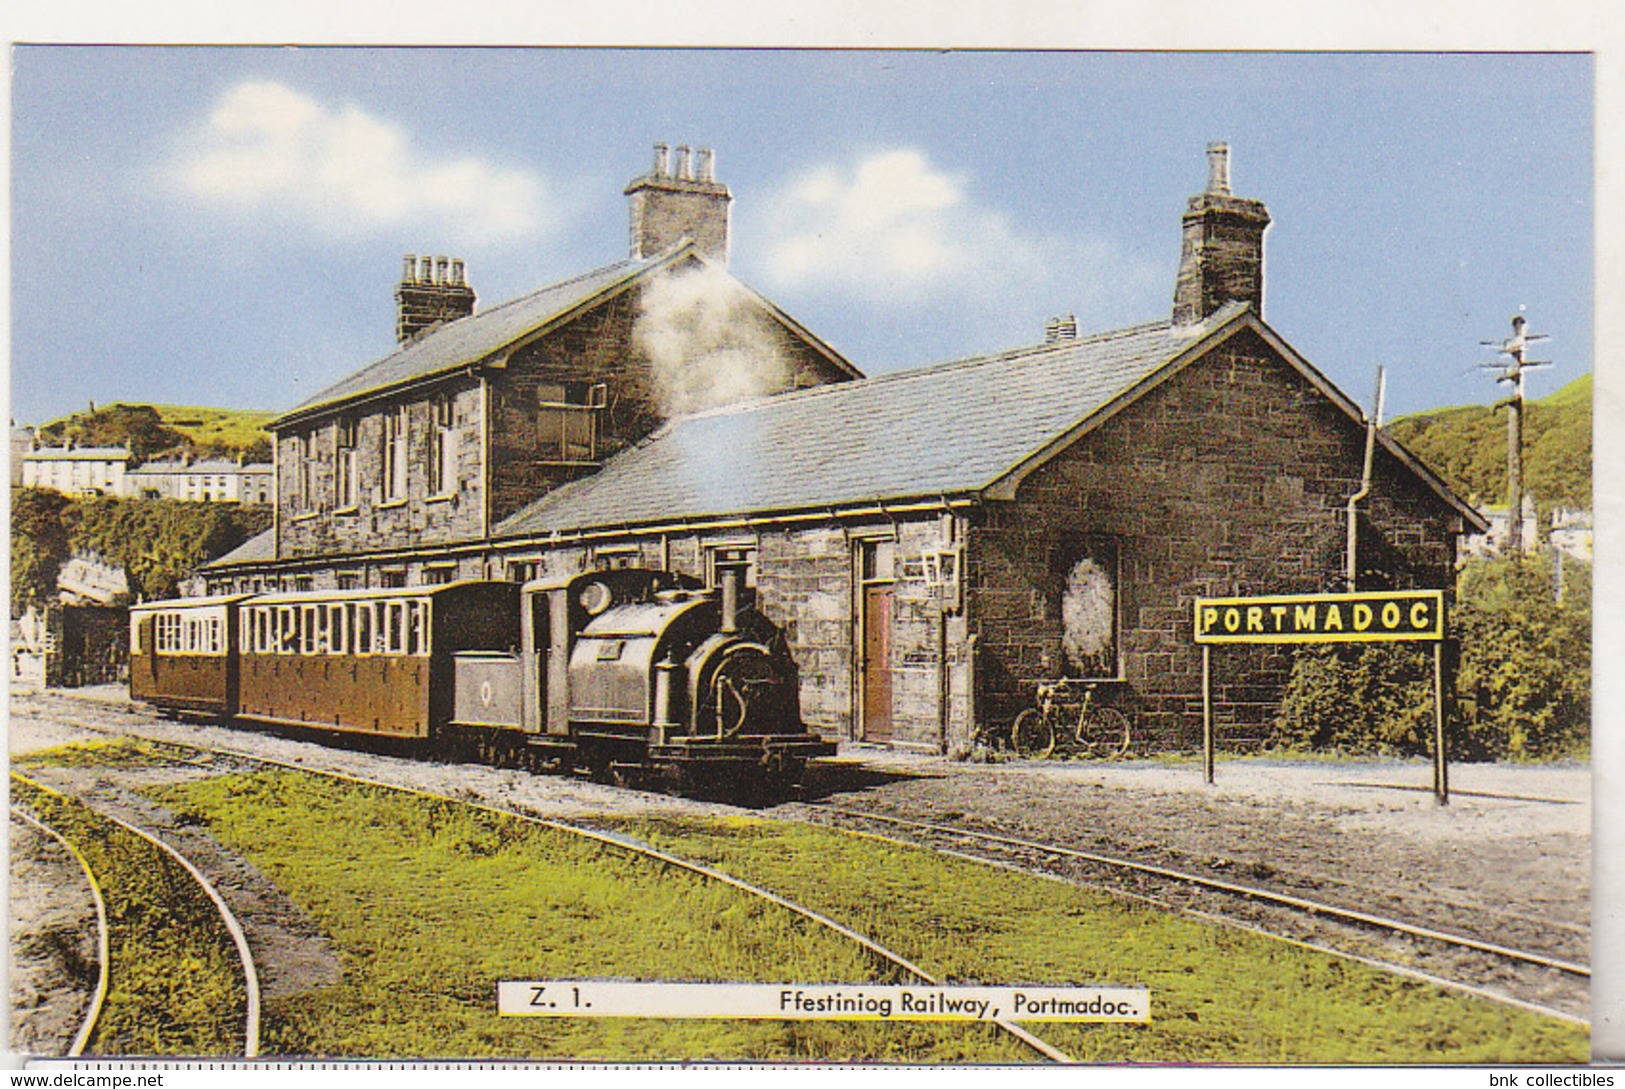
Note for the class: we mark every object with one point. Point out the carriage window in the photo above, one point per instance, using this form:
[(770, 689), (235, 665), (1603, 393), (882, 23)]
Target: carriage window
[(414, 626), (395, 630), (321, 642), (307, 642), (337, 643), (363, 628), (288, 630), (215, 624)]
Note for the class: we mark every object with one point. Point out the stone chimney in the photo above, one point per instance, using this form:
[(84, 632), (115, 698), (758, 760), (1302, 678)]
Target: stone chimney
[(432, 290), (677, 200), (1221, 257)]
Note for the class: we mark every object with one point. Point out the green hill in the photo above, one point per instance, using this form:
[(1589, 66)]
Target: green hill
[(1467, 445), (154, 430)]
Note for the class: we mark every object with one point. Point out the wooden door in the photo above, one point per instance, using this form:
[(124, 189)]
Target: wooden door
[(877, 614)]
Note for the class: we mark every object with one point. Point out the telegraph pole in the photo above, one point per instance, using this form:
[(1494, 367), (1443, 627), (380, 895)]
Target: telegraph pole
[(1511, 373)]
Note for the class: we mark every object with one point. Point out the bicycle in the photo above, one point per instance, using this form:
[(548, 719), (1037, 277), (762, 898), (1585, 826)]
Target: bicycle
[(1099, 731)]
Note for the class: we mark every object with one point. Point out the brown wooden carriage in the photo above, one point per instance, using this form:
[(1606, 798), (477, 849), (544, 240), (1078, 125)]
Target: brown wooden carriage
[(183, 654), (375, 661)]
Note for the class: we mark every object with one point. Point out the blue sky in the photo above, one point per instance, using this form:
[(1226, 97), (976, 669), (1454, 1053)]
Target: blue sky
[(225, 226)]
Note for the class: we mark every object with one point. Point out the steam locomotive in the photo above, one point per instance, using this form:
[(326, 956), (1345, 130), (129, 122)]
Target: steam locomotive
[(610, 673)]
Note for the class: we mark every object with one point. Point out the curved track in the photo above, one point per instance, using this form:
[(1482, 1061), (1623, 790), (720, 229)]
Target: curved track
[(1002, 846), (875, 949), (251, 983), (94, 1012)]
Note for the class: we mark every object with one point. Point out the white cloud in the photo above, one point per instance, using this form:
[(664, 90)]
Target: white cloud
[(268, 149), (893, 221)]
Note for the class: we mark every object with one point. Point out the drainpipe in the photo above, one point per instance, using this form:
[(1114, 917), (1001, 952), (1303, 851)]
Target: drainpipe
[(1351, 566)]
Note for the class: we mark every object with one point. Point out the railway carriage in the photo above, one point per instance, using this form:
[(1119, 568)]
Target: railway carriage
[(367, 661), (184, 654)]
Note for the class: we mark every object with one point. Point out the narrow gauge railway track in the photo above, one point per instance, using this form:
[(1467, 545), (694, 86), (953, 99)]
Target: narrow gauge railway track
[(251, 985), (1154, 881), (93, 1011), (616, 842)]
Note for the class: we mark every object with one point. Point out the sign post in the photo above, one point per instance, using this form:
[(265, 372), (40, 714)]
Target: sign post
[(1385, 616)]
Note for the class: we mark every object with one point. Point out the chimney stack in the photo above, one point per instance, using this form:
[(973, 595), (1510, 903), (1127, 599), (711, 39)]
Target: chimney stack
[(1221, 258), (680, 200), (432, 290)]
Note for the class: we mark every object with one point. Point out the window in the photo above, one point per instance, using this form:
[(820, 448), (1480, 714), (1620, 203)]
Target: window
[(740, 557), (392, 577), (347, 476), (348, 580), (304, 475), (524, 570), (439, 574), (443, 447), (615, 557), (395, 429), (1084, 581), (567, 420)]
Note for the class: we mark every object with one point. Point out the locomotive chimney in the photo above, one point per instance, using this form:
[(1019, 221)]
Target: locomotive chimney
[(729, 577)]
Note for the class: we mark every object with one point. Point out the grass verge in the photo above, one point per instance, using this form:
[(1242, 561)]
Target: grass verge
[(431, 904), (174, 986), (1218, 995)]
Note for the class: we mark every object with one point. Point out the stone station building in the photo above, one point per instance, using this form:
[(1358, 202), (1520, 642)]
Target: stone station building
[(933, 542)]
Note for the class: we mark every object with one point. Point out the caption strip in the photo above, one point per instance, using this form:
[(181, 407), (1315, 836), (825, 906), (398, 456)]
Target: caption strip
[(820, 1002)]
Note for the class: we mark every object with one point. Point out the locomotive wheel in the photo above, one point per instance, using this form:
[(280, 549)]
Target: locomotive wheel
[(1032, 735)]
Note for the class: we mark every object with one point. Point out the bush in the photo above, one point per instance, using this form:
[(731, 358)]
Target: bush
[(1523, 687)]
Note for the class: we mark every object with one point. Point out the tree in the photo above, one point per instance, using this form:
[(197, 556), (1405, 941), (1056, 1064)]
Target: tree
[(1523, 689), (137, 426), (39, 546)]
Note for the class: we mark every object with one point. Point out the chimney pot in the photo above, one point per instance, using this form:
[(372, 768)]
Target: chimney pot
[(441, 265), (1218, 168), (662, 160), (426, 270), (684, 170), (1061, 327), (409, 273), (705, 164), (1222, 247), (457, 271)]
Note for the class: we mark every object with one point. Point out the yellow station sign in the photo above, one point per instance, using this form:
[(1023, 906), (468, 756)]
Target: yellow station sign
[(1376, 617)]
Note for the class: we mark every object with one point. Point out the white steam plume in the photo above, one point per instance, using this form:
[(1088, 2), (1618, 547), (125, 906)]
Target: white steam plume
[(707, 341)]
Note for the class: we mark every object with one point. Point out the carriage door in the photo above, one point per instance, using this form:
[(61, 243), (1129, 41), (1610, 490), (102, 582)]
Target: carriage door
[(145, 644), (877, 598)]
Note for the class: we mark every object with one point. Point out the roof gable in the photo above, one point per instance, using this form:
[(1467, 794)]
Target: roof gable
[(491, 335)]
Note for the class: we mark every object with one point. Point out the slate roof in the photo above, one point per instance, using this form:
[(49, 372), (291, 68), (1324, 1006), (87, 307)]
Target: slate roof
[(257, 549), (468, 340), (208, 465), (487, 333), (78, 453), (951, 429)]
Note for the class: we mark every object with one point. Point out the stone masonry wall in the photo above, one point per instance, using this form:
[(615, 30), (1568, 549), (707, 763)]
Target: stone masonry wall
[(1229, 479), (320, 527)]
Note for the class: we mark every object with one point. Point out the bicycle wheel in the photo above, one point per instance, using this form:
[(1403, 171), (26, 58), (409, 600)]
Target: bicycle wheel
[(1105, 732), (1032, 735)]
